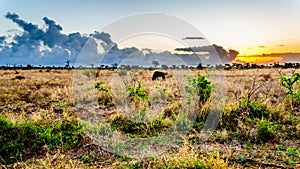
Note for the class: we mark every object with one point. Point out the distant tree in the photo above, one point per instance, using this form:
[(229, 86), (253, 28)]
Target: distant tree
[(67, 63), (29, 66), (155, 63), (164, 66), (115, 65), (200, 66)]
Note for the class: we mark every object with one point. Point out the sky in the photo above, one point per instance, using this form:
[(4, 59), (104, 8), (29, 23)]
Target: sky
[(253, 27)]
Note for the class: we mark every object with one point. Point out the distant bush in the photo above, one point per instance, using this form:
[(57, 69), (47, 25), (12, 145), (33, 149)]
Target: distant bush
[(93, 73), (19, 77)]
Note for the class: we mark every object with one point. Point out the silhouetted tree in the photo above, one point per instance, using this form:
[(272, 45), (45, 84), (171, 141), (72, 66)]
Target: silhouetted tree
[(155, 63), (29, 66), (67, 63), (200, 66)]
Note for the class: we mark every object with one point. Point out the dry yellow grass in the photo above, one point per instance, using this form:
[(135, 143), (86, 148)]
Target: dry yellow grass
[(48, 95)]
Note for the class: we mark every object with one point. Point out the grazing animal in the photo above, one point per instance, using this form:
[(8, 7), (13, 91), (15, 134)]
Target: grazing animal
[(158, 74)]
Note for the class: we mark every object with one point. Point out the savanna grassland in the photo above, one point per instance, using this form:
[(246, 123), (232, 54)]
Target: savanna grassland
[(43, 122)]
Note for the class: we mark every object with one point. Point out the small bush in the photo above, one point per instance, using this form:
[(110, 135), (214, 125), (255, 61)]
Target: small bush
[(266, 131), (92, 73), (105, 97), (138, 92), (202, 86), (247, 110), (289, 84)]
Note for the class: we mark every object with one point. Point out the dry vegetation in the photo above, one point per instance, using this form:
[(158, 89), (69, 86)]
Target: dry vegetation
[(40, 112)]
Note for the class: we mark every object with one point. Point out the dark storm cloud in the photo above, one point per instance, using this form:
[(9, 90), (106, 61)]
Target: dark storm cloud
[(215, 51)]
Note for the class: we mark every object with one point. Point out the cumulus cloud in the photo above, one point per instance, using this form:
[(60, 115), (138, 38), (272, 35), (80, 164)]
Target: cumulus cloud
[(49, 46), (44, 47)]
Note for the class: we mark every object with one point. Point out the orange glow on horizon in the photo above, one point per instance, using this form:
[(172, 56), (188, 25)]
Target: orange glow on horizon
[(258, 59), (271, 52)]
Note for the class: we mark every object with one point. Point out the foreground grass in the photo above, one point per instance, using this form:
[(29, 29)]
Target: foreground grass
[(23, 140), (260, 126)]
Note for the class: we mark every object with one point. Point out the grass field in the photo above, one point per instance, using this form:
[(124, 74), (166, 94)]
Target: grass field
[(45, 115)]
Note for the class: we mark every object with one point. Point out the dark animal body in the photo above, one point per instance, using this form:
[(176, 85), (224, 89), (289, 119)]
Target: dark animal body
[(158, 74)]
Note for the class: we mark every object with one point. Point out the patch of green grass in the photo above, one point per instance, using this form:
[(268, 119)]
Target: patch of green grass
[(139, 129), (16, 140)]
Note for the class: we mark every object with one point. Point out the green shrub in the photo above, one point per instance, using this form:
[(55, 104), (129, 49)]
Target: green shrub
[(244, 111), (100, 88), (138, 92), (201, 86), (266, 131), (257, 110), (105, 97), (289, 84)]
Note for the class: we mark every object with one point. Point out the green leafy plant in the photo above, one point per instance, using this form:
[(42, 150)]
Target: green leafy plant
[(105, 98), (85, 159), (100, 88), (200, 85), (289, 84), (138, 92), (293, 151)]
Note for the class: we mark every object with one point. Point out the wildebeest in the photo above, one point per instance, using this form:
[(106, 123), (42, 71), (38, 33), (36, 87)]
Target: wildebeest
[(158, 74)]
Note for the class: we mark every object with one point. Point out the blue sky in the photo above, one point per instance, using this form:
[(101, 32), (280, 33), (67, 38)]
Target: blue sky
[(242, 25)]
